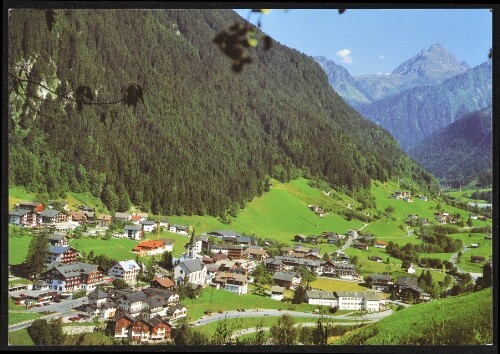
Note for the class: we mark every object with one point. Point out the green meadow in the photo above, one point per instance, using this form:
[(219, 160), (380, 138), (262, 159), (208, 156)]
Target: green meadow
[(223, 300), (465, 319), (20, 338)]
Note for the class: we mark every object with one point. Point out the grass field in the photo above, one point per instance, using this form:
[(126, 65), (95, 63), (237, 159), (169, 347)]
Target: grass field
[(18, 317), (464, 195), (223, 300), (18, 249), (328, 284), (465, 315), (20, 338)]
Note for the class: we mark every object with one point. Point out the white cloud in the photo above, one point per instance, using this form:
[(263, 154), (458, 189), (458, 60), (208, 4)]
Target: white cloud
[(345, 55), (381, 56)]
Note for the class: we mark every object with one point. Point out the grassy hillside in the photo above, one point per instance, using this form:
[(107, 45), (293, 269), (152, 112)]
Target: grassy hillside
[(465, 319)]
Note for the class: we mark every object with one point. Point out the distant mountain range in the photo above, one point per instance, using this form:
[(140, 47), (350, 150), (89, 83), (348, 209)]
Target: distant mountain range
[(421, 96), (461, 152)]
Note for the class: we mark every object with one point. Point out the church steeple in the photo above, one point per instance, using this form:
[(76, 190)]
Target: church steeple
[(191, 246)]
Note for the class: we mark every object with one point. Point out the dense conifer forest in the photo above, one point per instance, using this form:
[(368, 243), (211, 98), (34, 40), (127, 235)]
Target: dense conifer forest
[(205, 138)]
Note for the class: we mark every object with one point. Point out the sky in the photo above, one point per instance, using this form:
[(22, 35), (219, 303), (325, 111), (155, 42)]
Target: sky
[(376, 41)]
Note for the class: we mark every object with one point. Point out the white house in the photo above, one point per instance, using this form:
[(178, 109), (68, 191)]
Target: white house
[(148, 225), (179, 229), (126, 270), (317, 297), (277, 293), (133, 231), (190, 271), (350, 300), (411, 270)]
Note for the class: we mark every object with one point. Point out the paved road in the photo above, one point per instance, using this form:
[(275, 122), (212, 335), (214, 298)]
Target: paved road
[(276, 313), (65, 308), (454, 258)]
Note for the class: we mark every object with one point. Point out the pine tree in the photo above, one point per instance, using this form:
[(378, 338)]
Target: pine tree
[(38, 253)]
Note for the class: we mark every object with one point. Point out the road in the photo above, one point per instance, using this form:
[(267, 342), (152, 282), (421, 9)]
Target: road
[(65, 308), (453, 260), (275, 313)]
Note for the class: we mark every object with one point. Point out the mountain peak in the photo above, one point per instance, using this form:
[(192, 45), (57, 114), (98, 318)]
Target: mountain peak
[(436, 64)]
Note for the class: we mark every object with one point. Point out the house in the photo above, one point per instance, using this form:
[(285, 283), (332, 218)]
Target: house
[(300, 238), (141, 329), (474, 245), (223, 233), (277, 293), (126, 270), (257, 253), (52, 216), (424, 198), (274, 265), (169, 244), (73, 276), (411, 270), (287, 279), (179, 229), (162, 283), (360, 246), (148, 225), (24, 217), (344, 270), (150, 248), (290, 263), (104, 220), (408, 199), (233, 251), (62, 254), (122, 216), (236, 283), (176, 312), (163, 223), (57, 239), (375, 259), (380, 244), (190, 271), (352, 233), (323, 298), (136, 219), (477, 259), (473, 216), (133, 231), (143, 216), (32, 206), (380, 282), (85, 208), (408, 285), (77, 216), (352, 300), (90, 216), (100, 304), (488, 237), (40, 285)]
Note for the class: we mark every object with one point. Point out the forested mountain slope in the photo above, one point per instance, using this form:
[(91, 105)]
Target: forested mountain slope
[(205, 137), (461, 152)]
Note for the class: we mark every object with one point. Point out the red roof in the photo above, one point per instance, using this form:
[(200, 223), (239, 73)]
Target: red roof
[(165, 282), (150, 244)]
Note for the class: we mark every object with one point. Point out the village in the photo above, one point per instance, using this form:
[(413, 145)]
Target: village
[(146, 311)]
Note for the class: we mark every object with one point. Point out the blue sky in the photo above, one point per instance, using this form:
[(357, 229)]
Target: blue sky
[(376, 41)]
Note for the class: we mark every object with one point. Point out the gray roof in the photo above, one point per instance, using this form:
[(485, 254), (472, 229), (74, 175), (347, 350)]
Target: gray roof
[(135, 296), (30, 203), (300, 261), (368, 295), (243, 239), (154, 302), (19, 212), (49, 213), (226, 246), (74, 269), (57, 237), (132, 227), (317, 294), (273, 261), (277, 289), (224, 233), (407, 282), (122, 215), (148, 222), (343, 265), (286, 276), (98, 294), (193, 265), (59, 249), (157, 292), (380, 277)]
